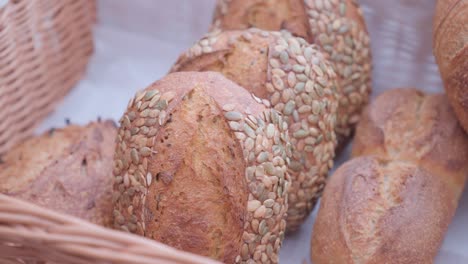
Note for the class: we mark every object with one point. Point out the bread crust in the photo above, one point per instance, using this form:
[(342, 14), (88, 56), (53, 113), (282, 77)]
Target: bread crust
[(203, 178), (406, 124), (336, 27), (68, 170), (450, 47), (267, 15), (296, 80), (380, 211), (393, 202)]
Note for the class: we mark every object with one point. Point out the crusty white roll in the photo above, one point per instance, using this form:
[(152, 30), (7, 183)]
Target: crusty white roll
[(394, 201)]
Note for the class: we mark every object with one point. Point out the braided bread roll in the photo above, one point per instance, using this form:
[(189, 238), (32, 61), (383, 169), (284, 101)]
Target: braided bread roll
[(450, 44), (201, 166), (337, 27), (394, 201), (296, 80)]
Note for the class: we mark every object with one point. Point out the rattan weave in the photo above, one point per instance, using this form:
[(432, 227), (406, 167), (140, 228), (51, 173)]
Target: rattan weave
[(44, 48), (31, 233)]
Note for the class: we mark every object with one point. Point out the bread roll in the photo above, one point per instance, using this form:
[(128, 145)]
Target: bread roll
[(202, 166), (394, 201), (450, 43), (296, 80), (68, 170), (336, 26)]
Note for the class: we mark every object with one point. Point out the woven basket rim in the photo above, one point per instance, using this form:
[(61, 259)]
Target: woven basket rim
[(32, 226), (44, 50)]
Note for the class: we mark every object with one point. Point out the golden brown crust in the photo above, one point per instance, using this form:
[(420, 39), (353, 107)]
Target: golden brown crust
[(406, 124), (456, 84), (68, 170), (380, 211), (450, 45), (194, 181), (232, 55), (394, 201), (449, 30), (203, 177), (268, 15), (336, 26), (296, 80)]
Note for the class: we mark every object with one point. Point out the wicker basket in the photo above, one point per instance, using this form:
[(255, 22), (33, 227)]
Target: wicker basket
[(29, 233), (44, 48)]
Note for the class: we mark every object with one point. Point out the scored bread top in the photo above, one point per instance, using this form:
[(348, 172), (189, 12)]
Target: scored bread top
[(407, 124), (201, 166), (382, 211), (337, 27), (232, 54), (393, 202), (296, 80), (68, 170)]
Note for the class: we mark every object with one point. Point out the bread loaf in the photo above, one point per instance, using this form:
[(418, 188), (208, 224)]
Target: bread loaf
[(450, 43), (393, 202), (297, 81), (201, 165), (68, 170), (336, 26)]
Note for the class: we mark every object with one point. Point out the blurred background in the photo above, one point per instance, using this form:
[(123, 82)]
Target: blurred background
[(136, 42)]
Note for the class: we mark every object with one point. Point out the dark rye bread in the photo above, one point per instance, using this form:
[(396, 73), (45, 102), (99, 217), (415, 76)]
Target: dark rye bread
[(295, 79), (337, 27), (68, 170), (201, 166), (394, 201)]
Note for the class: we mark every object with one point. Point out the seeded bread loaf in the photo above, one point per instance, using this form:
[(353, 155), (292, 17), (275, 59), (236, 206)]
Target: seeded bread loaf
[(336, 26), (202, 166), (450, 43), (68, 170), (393, 202), (296, 80)]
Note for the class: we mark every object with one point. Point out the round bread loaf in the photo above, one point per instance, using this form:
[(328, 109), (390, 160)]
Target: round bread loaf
[(450, 43), (68, 170), (394, 201), (297, 81), (336, 26), (201, 165)]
